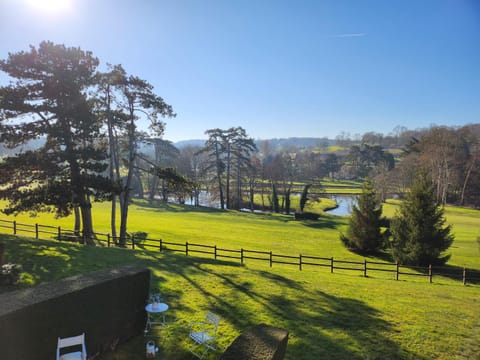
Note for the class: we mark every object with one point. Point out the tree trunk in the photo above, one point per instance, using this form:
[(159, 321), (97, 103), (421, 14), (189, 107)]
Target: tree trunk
[(87, 231), (153, 188), (125, 199), (465, 182), (252, 194), (114, 170), (239, 188), (227, 181), (219, 178), (164, 191), (138, 177), (123, 223), (78, 221)]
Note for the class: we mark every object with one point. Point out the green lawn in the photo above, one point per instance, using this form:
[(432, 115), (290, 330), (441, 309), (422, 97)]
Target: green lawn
[(465, 226), (329, 316)]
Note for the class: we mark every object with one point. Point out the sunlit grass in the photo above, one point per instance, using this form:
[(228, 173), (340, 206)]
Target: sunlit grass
[(465, 222), (264, 231), (329, 316)]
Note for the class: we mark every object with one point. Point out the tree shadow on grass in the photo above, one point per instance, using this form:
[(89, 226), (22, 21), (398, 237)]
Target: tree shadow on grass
[(451, 272), (472, 276), (382, 256), (325, 222), (321, 325), (160, 206), (338, 328)]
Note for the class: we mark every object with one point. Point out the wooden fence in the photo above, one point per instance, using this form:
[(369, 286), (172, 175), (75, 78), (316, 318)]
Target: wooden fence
[(301, 261)]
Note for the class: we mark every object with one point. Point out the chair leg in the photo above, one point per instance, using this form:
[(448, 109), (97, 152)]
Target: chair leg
[(198, 354), (194, 352), (203, 353)]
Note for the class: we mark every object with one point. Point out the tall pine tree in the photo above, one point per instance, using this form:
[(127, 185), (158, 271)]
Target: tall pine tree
[(364, 234), (419, 234), (49, 101)]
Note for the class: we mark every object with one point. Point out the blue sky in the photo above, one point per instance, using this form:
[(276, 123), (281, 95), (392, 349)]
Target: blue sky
[(277, 68)]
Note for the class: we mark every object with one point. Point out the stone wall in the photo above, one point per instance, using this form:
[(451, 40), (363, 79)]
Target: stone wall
[(107, 305)]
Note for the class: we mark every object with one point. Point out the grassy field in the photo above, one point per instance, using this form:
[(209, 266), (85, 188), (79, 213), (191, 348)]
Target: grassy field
[(329, 316)]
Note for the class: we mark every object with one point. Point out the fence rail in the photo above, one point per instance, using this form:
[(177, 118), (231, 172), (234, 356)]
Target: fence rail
[(366, 267)]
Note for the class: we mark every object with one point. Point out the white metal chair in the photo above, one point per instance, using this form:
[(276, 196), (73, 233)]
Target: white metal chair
[(73, 343), (204, 335)]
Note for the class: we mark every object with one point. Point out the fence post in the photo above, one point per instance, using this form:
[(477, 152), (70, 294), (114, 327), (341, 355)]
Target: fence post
[(430, 273), (59, 233), (241, 255), (186, 248), (331, 265), (36, 231), (396, 272), (464, 276), (160, 245), (365, 268), (14, 227), (271, 258), (215, 252), (300, 262), (108, 240), (133, 241)]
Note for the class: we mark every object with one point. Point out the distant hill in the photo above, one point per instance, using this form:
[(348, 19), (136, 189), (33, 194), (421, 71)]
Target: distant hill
[(185, 143), (275, 144), (299, 142)]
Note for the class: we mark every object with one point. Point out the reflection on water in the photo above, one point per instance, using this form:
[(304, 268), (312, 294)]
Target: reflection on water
[(344, 203), (204, 199)]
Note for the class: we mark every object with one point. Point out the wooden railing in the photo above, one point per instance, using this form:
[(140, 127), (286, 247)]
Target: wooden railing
[(366, 267)]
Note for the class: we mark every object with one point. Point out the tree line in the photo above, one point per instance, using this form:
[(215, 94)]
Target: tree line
[(449, 156)]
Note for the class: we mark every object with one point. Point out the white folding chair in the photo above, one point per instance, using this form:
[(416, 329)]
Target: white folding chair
[(76, 344), (204, 335)]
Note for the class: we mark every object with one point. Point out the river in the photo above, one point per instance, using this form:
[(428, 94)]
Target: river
[(344, 203)]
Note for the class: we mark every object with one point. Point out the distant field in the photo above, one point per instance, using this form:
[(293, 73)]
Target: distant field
[(336, 148)]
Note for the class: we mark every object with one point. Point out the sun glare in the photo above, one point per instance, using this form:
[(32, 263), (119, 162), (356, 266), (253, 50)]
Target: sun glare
[(51, 7)]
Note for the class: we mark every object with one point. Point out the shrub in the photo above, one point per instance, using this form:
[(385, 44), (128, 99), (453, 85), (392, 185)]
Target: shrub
[(138, 236), (306, 216)]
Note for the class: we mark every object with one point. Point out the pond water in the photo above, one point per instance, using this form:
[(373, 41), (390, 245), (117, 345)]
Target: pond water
[(344, 202), (204, 199)]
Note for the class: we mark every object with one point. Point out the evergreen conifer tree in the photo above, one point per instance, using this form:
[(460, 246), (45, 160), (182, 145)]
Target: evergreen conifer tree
[(364, 233), (419, 234), (48, 100)]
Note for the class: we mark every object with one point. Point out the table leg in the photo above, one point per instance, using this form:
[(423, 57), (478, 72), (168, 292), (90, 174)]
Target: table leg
[(148, 325)]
